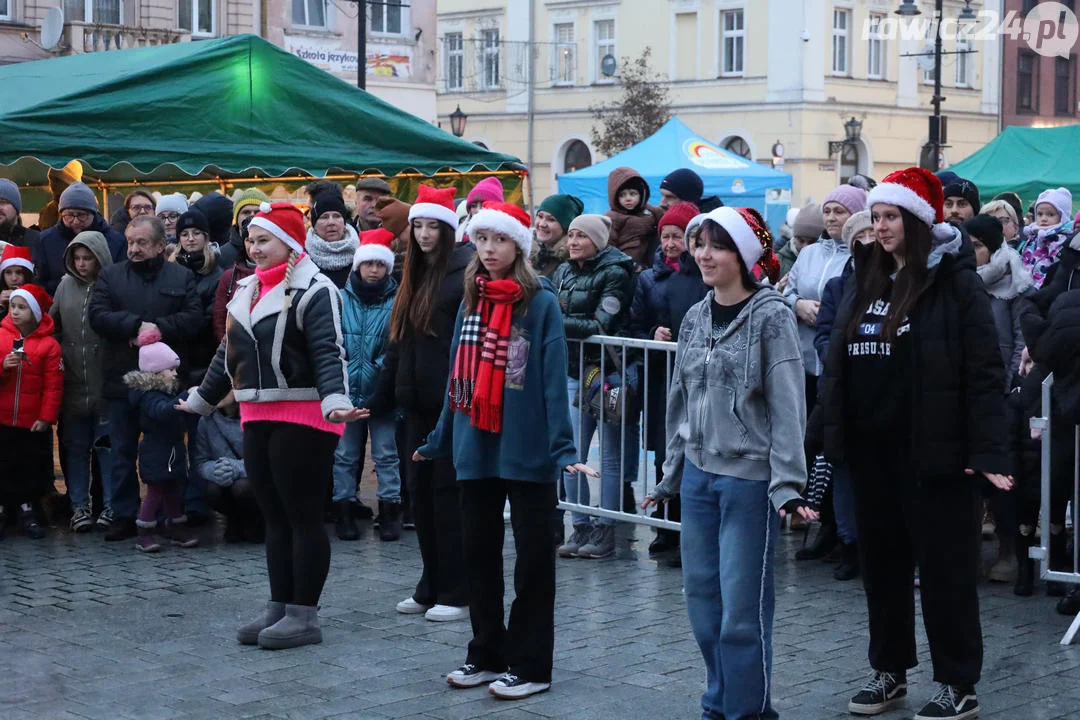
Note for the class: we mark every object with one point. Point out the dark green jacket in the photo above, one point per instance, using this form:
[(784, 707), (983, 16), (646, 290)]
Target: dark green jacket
[(594, 297)]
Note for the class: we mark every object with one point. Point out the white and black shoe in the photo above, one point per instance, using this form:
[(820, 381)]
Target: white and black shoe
[(512, 687), (470, 676), (953, 702), (879, 694)]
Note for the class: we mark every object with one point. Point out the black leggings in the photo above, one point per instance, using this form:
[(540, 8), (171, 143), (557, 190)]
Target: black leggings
[(289, 468)]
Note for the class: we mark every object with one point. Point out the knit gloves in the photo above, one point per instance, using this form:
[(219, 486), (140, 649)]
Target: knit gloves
[(227, 470)]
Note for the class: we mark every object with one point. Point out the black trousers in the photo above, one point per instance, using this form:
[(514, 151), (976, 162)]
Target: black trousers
[(236, 502), (934, 524), (436, 503), (288, 466), (26, 465), (526, 644)]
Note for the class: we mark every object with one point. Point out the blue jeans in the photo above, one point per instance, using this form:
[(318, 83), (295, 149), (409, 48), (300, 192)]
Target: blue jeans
[(844, 504), (729, 533), (616, 466), (83, 436), (122, 484), (384, 454)]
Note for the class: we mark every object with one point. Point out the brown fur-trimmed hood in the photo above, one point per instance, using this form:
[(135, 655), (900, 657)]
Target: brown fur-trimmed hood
[(149, 381)]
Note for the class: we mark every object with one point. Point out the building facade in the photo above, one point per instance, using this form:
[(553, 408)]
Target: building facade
[(401, 37), (743, 74), (1037, 90)]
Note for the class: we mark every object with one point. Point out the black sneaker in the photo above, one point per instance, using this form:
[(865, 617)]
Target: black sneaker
[(879, 694), (120, 529), (952, 702), (470, 676), (29, 524), (512, 687)]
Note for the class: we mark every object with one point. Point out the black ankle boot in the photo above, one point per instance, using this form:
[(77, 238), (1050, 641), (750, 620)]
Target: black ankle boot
[(823, 544), (848, 569), (346, 521), (1070, 604), (390, 522), (1025, 566)]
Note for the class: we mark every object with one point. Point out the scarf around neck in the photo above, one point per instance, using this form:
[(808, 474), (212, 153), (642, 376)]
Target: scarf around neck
[(333, 255), (1005, 276), (476, 382)]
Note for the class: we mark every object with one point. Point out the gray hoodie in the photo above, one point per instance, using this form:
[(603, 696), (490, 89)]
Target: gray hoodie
[(738, 407)]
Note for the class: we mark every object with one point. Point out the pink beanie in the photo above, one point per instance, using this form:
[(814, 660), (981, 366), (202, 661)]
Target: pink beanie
[(851, 197), (156, 357), (487, 190)]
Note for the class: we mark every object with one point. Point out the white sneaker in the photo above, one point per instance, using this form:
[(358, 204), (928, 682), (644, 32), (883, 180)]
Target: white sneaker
[(470, 676), (511, 687), (447, 613), (408, 606)]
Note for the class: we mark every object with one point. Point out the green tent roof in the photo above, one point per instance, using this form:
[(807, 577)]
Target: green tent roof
[(227, 108), (1025, 161)]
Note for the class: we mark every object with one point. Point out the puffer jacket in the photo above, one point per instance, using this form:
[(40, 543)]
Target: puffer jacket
[(633, 231), (162, 453), (48, 252), (34, 390), (957, 404), (737, 401), (366, 328), (595, 297), (268, 357), (814, 267), (82, 347)]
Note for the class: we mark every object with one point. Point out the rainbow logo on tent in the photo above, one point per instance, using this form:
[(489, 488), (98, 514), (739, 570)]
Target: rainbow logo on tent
[(708, 156)]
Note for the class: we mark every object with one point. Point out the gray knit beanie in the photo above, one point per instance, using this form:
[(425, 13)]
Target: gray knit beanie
[(597, 227), (78, 197), (854, 225), (808, 223), (10, 191)]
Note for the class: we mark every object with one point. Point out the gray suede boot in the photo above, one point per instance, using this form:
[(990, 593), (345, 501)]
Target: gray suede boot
[(249, 634), (300, 626)]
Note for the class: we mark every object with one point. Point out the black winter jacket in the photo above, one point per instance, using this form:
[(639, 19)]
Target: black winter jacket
[(127, 294), (830, 303), (595, 297), (231, 251), (958, 409), (267, 357), (48, 251), (22, 236)]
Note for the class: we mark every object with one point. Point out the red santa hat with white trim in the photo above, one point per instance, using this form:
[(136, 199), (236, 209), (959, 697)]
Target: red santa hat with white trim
[(36, 297), (284, 221), (916, 190), (751, 237), (15, 256), (375, 245), (506, 219), (435, 204)]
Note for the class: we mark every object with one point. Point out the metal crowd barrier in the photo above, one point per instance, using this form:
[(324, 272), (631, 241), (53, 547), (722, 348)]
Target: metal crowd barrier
[(1042, 552), (616, 353)]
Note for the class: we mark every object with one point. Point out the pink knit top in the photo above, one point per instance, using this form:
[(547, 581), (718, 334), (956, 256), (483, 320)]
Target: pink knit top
[(298, 412)]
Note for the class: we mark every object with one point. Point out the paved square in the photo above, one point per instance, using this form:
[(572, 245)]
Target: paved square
[(96, 630)]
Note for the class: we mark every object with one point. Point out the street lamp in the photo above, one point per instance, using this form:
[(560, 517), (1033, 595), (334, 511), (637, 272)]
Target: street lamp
[(457, 122), (852, 132)]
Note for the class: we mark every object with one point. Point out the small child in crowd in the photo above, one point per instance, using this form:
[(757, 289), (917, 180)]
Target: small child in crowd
[(154, 390), (219, 457), (16, 269), (31, 391), (365, 322), (633, 220), (1049, 232)]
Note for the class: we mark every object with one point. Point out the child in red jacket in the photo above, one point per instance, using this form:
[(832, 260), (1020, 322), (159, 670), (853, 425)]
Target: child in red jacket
[(31, 389)]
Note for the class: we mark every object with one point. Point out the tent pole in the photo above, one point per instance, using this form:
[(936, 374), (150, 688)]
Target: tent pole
[(361, 44)]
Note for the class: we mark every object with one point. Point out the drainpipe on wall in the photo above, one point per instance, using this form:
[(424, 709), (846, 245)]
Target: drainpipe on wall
[(260, 17), (532, 105)]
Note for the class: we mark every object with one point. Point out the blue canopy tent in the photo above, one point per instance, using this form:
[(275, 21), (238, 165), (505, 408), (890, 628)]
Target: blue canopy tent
[(735, 180)]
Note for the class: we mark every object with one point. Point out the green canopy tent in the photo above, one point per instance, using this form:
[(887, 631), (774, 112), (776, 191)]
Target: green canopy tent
[(215, 114), (1025, 161)]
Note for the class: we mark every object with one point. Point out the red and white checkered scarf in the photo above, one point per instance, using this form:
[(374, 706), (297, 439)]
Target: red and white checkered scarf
[(476, 382)]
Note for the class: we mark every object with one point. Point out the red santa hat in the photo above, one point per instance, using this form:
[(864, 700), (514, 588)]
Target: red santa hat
[(916, 190), (435, 204), (751, 236), (506, 219), (15, 256), (284, 221), (375, 245), (36, 297)]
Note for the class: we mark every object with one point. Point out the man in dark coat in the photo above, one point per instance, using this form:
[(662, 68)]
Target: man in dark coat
[(12, 231), (136, 302), (78, 212)]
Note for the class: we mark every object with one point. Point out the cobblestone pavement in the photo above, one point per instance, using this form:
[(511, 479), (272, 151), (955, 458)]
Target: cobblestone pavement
[(96, 630)]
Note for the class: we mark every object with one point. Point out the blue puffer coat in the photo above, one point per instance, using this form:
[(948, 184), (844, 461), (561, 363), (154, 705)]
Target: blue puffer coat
[(365, 324), (162, 452)]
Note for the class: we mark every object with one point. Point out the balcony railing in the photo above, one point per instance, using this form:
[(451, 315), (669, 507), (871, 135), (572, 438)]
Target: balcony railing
[(92, 37)]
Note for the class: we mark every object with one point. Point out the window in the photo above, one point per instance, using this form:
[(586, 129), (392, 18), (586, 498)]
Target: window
[(1064, 103), (564, 70), (875, 51), (386, 17), (576, 157), (5, 10), (738, 146), (849, 162), (197, 16), (489, 58), (106, 12), (841, 20), (963, 64), (455, 61), (1027, 68), (733, 42), (604, 31), (309, 12)]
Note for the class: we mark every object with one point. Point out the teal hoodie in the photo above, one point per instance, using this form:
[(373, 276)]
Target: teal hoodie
[(536, 441)]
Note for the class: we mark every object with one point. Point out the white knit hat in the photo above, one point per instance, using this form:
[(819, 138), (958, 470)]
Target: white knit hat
[(1060, 198), (175, 202)]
